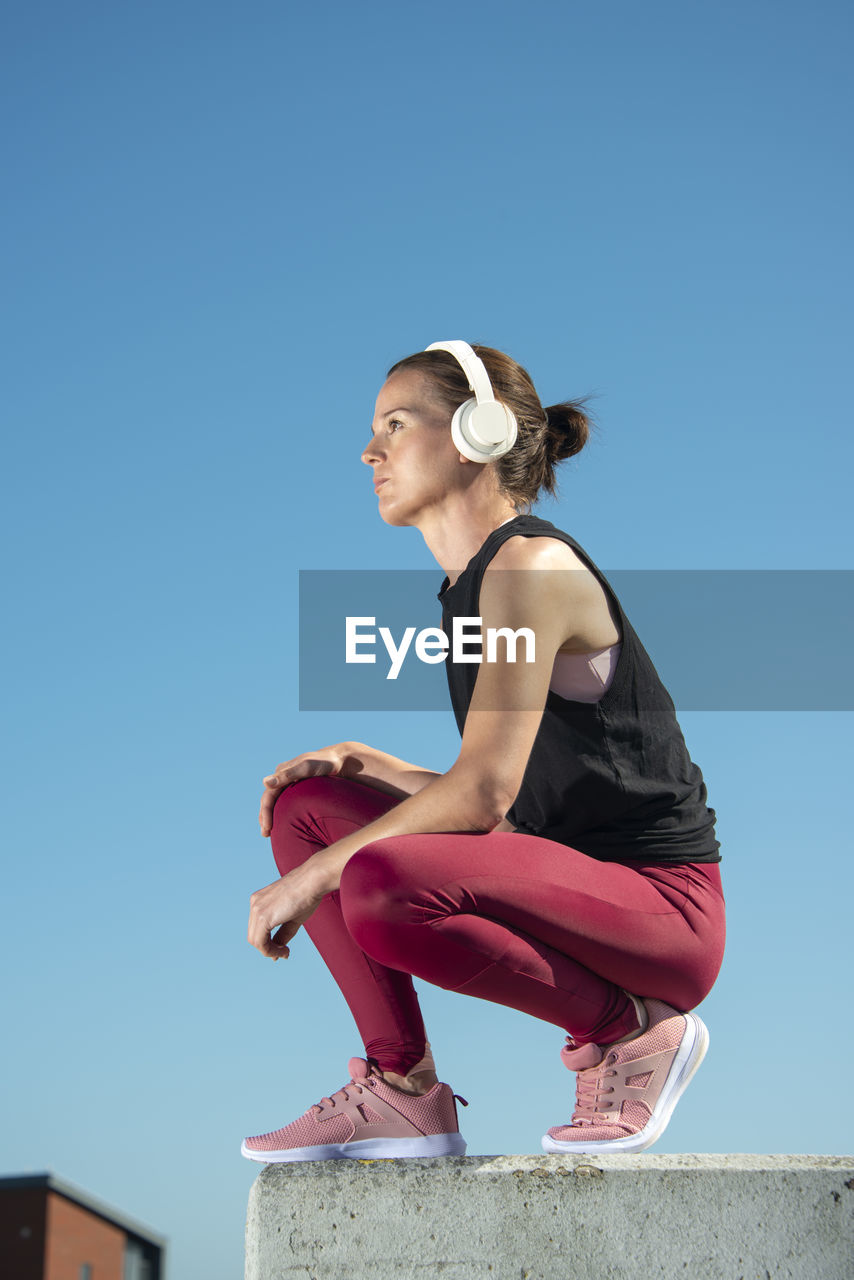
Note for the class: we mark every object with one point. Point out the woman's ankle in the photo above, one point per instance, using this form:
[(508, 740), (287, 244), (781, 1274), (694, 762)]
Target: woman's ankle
[(642, 1017), (417, 1082), (419, 1079)]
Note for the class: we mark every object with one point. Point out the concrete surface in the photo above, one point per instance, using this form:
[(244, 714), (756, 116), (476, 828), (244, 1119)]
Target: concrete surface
[(698, 1217)]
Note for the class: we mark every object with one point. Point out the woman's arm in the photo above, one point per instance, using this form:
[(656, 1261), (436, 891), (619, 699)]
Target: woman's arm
[(354, 760), (481, 785), (523, 590), (384, 772)]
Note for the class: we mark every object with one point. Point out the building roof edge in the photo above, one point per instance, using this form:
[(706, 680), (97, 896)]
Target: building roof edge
[(51, 1182)]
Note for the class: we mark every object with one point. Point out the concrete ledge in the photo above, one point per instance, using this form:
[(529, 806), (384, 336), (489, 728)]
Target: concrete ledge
[(698, 1217)]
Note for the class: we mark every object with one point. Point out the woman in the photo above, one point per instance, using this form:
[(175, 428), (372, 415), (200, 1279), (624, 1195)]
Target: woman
[(565, 865)]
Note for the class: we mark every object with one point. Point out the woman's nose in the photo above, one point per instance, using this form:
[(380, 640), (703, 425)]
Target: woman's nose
[(372, 453)]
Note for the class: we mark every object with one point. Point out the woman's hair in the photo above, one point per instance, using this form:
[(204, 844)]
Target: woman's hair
[(546, 436)]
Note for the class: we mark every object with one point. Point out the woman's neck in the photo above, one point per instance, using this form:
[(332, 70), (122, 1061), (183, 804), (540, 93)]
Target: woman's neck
[(453, 544)]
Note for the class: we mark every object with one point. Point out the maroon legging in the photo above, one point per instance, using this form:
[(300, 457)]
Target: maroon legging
[(505, 916)]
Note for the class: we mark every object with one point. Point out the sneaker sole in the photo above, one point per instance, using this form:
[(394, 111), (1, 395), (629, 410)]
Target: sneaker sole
[(689, 1055), (436, 1144)]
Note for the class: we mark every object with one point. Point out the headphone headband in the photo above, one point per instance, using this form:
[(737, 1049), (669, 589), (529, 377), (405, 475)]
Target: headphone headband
[(472, 365)]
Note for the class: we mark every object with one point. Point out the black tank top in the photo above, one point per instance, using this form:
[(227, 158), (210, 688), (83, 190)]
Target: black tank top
[(611, 778)]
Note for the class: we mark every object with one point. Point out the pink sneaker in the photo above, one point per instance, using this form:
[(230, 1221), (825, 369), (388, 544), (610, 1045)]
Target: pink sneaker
[(625, 1093), (366, 1119)]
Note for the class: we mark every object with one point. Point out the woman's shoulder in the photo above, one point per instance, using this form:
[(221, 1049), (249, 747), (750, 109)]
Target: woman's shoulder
[(539, 550), (566, 582)]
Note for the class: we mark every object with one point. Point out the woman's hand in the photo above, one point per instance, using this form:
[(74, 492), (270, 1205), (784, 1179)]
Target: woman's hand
[(311, 764), (284, 906)]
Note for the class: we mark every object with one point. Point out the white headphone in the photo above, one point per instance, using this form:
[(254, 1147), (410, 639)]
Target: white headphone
[(482, 428)]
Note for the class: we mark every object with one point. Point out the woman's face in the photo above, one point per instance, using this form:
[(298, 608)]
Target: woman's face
[(416, 465)]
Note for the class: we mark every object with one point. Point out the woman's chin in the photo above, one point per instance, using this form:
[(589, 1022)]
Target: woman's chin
[(391, 513), (395, 519)]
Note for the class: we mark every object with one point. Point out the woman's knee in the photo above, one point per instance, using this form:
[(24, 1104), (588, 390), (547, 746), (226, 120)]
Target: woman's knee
[(294, 836), (329, 796), (300, 797), (313, 813), (302, 803)]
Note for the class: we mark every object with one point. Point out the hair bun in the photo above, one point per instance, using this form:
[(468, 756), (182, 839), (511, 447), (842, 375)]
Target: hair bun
[(568, 429)]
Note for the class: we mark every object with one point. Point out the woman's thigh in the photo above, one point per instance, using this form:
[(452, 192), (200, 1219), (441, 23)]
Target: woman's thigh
[(658, 930)]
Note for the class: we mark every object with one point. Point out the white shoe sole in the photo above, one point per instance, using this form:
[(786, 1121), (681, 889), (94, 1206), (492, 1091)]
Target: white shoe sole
[(436, 1144), (689, 1055)]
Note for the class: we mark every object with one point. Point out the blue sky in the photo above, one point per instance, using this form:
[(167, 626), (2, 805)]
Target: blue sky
[(222, 224)]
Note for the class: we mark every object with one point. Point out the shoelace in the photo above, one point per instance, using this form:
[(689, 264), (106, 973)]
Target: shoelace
[(589, 1089), (342, 1093)]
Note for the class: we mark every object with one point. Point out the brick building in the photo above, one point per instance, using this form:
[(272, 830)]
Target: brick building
[(51, 1230)]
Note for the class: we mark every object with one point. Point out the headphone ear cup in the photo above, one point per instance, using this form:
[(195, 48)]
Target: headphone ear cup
[(482, 432), (466, 447)]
